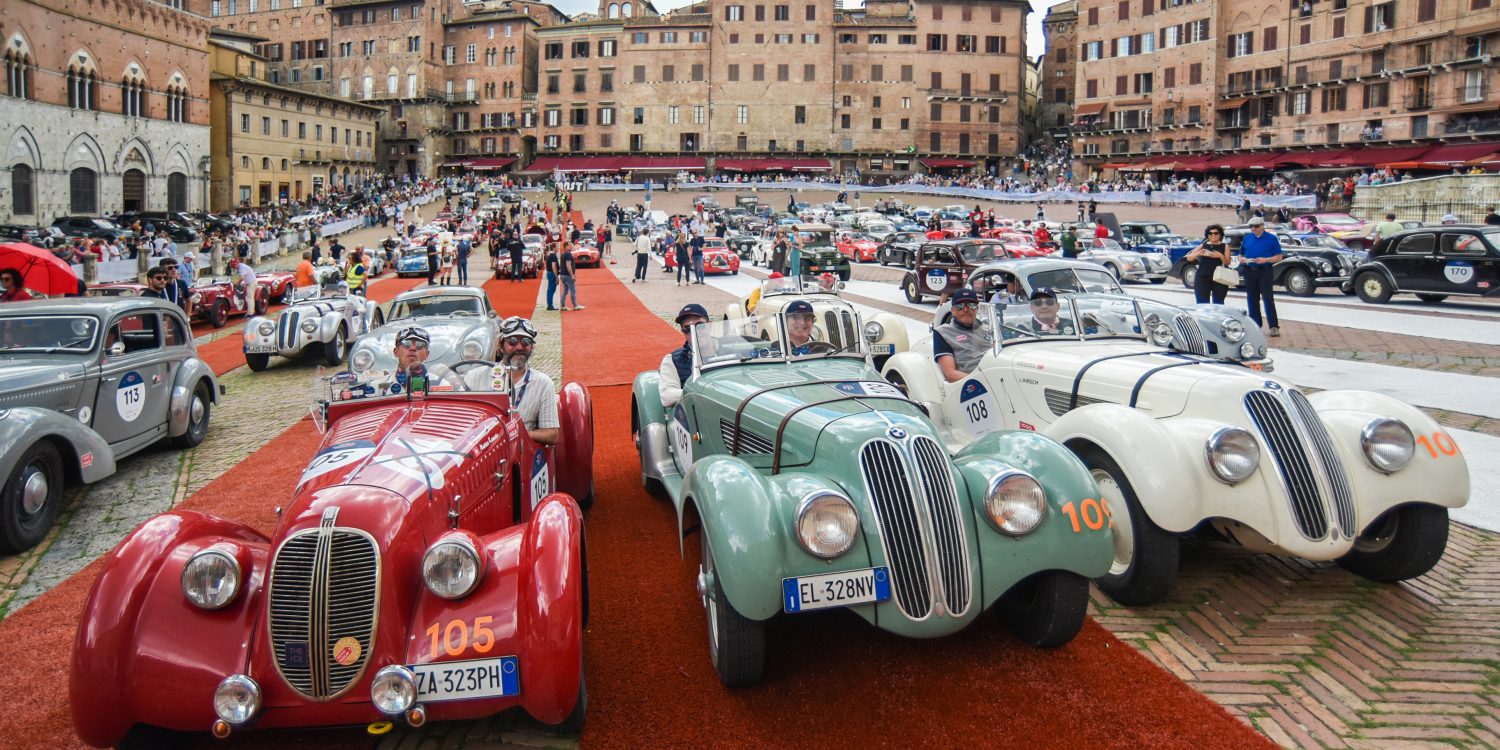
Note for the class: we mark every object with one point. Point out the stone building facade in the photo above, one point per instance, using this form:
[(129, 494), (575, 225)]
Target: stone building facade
[(1179, 77), (1059, 71), (274, 143), (106, 109), (579, 89)]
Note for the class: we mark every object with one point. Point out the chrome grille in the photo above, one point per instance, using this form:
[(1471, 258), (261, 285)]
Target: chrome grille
[(286, 329), (324, 586), (1058, 401), (749, 441), (895, 505), (1189, 336), (1292, 460), (1333, 465), (947, 526)]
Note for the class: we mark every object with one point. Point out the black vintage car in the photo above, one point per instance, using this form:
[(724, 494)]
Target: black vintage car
[(1306, 265), (1433, 263), (900, 248)]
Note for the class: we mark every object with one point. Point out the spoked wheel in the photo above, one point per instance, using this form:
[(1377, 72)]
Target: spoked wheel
[(736, 644), (913, 292), (1299, 283), (1145, 562), (1189, 276), (1372, 288)]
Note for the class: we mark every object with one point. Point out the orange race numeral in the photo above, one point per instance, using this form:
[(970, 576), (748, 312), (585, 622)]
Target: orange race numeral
[(1094, 514), (453, 638), (1439, 443)]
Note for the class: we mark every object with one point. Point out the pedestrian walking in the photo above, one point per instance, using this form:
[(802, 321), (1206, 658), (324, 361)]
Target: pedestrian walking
[(550, 263), (464, 246), (1261, 251), (1210, 255), (432, 261), (642, 257), (567, 273), (517, 251)]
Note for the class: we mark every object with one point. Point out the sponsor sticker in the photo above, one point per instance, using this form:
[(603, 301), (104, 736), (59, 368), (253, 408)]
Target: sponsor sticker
[(86, 460), (346, 650), (1459, 272), (1028, 426), (130, 397)]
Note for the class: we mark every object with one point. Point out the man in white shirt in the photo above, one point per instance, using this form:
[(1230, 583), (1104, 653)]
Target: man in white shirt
[(533, 396), (245, 287), (677, 367), (642, 256)]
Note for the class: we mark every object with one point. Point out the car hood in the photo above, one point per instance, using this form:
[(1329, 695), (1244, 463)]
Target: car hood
[(48, 381), (447, 331)]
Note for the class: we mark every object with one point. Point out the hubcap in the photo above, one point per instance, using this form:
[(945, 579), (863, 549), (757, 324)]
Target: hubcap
[(195, 412), (34, 490), (1379, 537), (1372, 287), (1298, 283), (1120, 514)]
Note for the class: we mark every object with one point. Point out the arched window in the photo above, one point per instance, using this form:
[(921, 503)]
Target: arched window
[(83, 191), (22, 190), (265, 163), (614, 10), (83, 88), (133, 97), (133, 190), (177, 103), (17, 70), (177, 192), (627, 10)]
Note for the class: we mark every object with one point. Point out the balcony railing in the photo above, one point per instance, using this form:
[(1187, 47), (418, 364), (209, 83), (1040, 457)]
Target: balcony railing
[(1235, 88), (1419, 100), (461, 96), (1471, 125), (1233, 123)]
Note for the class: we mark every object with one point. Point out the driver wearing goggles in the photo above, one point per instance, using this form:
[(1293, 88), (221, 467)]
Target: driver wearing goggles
[(532, 393), (413, 344), (960, 343)]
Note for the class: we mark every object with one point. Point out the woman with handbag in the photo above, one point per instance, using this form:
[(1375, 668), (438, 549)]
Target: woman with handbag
[(1214, 277)]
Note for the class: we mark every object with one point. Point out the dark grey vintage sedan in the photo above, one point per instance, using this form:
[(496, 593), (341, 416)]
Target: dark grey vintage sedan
[(85, 383)]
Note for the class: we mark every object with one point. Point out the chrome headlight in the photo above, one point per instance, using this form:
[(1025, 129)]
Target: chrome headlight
[(472, 350), (1247, 350), (451, 567), (1161, 334), (393, 690), (266, 328), (1232, 454), (211, 579), (873, 331), (1325, 266), (826, 524), (1232, 330), (237, 699), (1015, 503), (308, 326), (1388, 444), (362, 360)]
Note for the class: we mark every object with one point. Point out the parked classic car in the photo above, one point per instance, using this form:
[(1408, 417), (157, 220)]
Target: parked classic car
[(87, 383), (819, 252), (91, 227), (717, 258), (1125, 265), (585, 253), (942, 266), (858, 247), (900, 248), (1218, 331), (214, 300), (743, 243), (884, 333), (1133, 233), (279, 285), (812, 484), (1434, 263), (428, 566), (459, 320), (1333, 476), (531, 259), (412, 263), (321, 320)]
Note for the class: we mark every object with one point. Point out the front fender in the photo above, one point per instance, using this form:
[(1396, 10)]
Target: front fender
[(575, 446), (329, 323), (646, 393), (86, 454), (192, 372), (551, 608), (895, 332), (130, 653), (252, 334), (737, 509), (1141, 446), (924, 384)]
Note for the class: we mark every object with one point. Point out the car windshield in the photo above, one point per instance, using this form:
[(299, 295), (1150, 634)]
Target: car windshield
[(1100, 243), (832, 331), (1339, 219), (815, 238), (795, 285), (1154, 229), (1322, 241), (48, 333), (1090, 280), (907, 237), (1068, 316), (979, 253), (441, 304)]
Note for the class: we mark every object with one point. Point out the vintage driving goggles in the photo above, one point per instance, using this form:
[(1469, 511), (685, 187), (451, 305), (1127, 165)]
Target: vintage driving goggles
[(518, 326), (414, 337)]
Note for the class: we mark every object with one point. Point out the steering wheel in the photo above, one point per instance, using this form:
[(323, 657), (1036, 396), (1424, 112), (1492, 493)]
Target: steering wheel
[(460, 370), (820, 347)]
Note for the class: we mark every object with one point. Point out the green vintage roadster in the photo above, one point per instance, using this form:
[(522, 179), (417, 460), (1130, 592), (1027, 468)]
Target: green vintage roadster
[(816, 485)]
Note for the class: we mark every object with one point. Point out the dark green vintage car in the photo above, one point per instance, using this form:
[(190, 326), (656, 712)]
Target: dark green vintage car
[(816, 484)]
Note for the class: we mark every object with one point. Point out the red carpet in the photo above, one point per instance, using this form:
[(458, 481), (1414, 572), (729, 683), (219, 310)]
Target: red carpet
[(512, 298), (831, 679)]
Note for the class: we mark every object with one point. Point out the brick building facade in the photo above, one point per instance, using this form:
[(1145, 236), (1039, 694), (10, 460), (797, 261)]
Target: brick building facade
[(1059, 70), (106, 108)]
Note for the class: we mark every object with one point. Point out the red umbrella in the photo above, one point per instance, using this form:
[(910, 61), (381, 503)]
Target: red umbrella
[(41, 271)]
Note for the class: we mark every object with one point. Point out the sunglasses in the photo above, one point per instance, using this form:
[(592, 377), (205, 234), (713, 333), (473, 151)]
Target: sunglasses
[(1044, 303), (518, 340), (966, 306), (1215, 233), (414, 344)]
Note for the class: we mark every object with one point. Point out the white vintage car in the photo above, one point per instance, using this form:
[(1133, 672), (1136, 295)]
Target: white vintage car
[(883, 332), (321, 320), (1181, 444), (462, 326)]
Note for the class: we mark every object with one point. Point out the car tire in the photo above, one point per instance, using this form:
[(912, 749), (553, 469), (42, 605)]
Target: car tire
[(1046, 610), (1114, 271), (219, 314), (913, 292), (1159, 281), (262, 303), (846, 274), (1403, 543), (258, 362), (736, 644), (199, 407), (1372, 288), (1432, 299), (334, 351), (1299, 283), (31, 498), (1190, 276), (1146, 557)]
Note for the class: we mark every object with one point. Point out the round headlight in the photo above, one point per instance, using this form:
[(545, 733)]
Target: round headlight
[(1325, 266), (211, 579), (1232, 454), (237, 700), (826, 524), (451, 567), (1388, 444), (472, 350), (393, 690), (1015, 503), (266, 328), (362, 360), (1161, 334), (308, 326), (873, 331), (1247, 350), (1232, 330)]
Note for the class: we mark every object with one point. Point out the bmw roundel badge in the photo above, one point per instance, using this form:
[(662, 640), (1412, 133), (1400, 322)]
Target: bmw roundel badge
[(896, 433), (1272, 385)]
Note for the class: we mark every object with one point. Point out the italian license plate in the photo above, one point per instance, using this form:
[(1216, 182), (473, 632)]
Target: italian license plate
[(467, 680), (835, 589), (882, 348), (261, 349)]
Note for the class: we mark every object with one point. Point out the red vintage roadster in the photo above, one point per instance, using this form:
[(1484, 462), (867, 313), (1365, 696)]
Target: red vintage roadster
[(428, 566)]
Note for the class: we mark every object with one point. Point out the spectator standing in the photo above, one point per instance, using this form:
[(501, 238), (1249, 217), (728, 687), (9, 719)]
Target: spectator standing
[(306, 276), (567, 273), (550, 260), (1492, 218), (1261, 251), (355, 276), (697, 244), (464, 246), (1069, 242), (432, 261), (517, 251), (684, 258), (1212, 253), (1388, 227), (642, 257)]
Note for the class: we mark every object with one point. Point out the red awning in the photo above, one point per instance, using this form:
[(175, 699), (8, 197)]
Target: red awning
[(946, 163), (772, 165), (1455, 154), (1092, 109), (1194, 163), (1247, 161), (457, 163), (1313, 158), (661, 164), (1174, 164), (1128, 166), (576, 164), (806, 165), (1369, 157), (490, 163)]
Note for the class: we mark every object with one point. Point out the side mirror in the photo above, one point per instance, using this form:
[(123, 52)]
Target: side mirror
[(116, 349)]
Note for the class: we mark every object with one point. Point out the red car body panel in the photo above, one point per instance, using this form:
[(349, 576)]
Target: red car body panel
[(529, 263), (585, 255), (276, 284), (391, 469), (862, 251), (715, 260)]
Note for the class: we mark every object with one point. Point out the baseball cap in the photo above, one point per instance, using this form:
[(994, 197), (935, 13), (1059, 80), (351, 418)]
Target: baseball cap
[(799, 307), (1043, 293), (691, 309), (965, 295), (1257, 222)]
